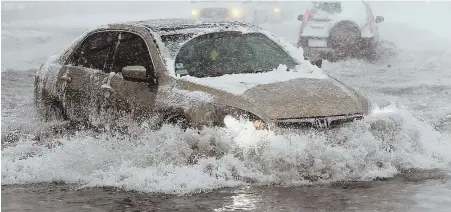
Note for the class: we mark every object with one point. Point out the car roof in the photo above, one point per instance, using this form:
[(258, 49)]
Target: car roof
[(184, 29), (174, 25)]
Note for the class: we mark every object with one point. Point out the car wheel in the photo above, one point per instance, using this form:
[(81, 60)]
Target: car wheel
[(370, 52), (345, 37), (368, 49)]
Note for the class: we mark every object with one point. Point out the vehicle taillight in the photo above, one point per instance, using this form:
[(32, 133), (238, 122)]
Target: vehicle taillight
[(306, 16)]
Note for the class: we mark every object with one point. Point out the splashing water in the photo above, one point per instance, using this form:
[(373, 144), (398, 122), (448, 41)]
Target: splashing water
[(174, 161)]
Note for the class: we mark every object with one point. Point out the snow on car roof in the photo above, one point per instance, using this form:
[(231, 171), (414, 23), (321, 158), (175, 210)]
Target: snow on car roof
[(165, 26)]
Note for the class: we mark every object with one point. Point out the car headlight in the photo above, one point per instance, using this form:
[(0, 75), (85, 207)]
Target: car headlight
[(195, 12), (236, 12), (276, 10), (231, 113), (259, 124)]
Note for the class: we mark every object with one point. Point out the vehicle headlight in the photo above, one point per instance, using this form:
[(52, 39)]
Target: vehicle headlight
[(195, 12), (232, 115), (236, 12), (259, 124), (276, 10)]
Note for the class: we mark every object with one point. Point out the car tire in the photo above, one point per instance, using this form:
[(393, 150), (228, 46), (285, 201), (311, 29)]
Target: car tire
[(369, 49), (371, 53)]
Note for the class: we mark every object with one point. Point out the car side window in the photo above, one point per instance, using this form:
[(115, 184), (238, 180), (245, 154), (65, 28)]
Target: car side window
[(95, 51), (131, 50)]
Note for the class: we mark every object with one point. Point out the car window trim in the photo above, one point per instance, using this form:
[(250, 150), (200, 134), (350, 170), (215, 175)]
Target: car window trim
[(112, 30)]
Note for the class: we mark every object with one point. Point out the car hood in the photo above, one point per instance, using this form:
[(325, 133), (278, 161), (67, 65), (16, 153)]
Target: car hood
[(305, 98), (296, 98)]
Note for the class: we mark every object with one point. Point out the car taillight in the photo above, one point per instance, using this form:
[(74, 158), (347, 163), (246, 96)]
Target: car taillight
[(306, 16)]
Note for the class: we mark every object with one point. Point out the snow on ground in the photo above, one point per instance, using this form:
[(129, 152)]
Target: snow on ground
[(415, 82)]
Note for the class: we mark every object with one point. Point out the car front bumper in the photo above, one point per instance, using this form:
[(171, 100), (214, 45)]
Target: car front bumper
[(297, 125)]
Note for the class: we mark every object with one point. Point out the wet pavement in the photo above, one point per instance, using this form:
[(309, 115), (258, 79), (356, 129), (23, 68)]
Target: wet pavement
[(416, 191)]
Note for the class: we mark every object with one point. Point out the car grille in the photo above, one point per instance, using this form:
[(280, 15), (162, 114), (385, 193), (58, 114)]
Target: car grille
[(217, 13), (317, 122)]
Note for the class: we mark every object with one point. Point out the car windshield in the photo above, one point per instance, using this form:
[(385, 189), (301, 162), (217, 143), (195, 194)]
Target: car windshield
[(217, 54)]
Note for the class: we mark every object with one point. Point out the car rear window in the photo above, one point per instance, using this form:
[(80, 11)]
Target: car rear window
[(329, 7)]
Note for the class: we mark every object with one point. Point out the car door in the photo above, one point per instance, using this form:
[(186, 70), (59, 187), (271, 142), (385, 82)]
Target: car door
[(125, 97), (90, 58)]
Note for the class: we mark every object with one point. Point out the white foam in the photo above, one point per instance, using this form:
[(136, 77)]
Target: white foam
[(157, 161)]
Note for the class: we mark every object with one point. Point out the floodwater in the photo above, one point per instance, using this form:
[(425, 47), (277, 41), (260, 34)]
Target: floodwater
[(404, 193), (357, 169)]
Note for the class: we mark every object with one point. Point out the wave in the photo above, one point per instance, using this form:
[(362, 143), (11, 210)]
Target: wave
[(173, 161)]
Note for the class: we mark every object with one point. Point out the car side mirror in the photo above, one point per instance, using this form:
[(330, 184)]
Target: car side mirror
[(379, 19), (135, 73), (300, 17)]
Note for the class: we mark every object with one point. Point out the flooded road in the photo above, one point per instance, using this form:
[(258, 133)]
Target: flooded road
[(399, 194), (406, 169)]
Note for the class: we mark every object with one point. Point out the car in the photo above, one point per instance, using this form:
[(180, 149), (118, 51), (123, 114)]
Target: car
[(246, 11), (337, 29), (218, 11), (191, 73), (269, 12)]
